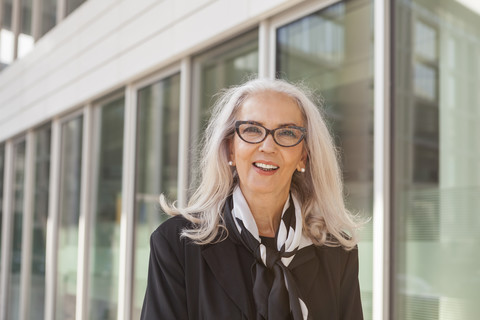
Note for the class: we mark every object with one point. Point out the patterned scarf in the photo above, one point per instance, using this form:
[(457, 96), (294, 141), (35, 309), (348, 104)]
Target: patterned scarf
[(275, 292)]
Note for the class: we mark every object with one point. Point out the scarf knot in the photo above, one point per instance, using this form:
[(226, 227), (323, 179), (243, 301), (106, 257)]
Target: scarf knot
[(272, 256)]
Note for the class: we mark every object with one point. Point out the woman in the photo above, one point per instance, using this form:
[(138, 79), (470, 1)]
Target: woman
[(266, 235)]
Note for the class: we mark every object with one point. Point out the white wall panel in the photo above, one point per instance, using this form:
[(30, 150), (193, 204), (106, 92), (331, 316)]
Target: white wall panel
[(106, 44)]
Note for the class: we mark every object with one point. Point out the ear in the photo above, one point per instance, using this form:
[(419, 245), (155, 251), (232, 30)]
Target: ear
[(231, 150), (302, 164)]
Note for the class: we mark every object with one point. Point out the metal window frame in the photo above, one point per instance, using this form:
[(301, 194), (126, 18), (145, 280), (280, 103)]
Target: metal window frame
[(52, 220), (7, 221), (16, 10), (184, 132), (27, 225), (61, 10), (382, 151), (127, 218), (85, 215)]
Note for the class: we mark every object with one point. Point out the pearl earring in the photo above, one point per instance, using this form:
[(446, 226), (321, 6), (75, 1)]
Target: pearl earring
[(302, 170), (230, 163)]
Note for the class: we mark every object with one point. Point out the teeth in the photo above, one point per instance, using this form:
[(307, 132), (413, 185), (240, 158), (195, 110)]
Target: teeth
[(265, 166)]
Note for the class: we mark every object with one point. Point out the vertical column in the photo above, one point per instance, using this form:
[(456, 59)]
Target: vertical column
[(37, 8), (127, 223), (52, 222), (381, 186), (61, 10), (27, 227), (264, 55), (16, 7), (184, 132), (85, 214), (6, 227)]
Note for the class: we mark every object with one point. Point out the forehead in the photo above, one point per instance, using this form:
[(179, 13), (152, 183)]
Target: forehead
[(271, 108)]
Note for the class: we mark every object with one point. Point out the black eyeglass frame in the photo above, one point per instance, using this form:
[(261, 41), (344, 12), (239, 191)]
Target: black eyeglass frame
[(268, 131)]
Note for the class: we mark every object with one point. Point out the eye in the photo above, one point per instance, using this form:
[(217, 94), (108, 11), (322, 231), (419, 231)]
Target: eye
[(251, 129), (288, 133)]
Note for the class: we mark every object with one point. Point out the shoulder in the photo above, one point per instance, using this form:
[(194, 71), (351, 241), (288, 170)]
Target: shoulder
[(338, 257), (172, 227), (169, 234)]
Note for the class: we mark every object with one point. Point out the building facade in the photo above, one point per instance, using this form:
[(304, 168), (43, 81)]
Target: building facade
[(103, 105)]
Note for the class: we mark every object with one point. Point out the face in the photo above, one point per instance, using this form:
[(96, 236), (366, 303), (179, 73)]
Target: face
[(266, 167)]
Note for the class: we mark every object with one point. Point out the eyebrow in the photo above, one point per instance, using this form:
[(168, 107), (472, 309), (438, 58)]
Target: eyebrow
[(289, 124)]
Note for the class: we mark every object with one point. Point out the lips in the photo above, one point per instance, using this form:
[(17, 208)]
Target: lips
[(265, 166)]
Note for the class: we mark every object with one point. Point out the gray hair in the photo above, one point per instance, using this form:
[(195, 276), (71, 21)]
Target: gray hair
[(326, 220)]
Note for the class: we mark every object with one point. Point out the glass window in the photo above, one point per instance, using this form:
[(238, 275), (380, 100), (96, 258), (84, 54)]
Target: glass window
[(13, 308), (331, 51), (48, 15), (105, 233), (39, 227), (156, 169), (73, 4), (7, 37), (70, 183), (229, 64), (2, 169), (436, 169), (25, 37)]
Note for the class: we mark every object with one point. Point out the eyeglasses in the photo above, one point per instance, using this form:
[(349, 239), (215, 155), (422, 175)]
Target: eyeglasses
[(253, 132)]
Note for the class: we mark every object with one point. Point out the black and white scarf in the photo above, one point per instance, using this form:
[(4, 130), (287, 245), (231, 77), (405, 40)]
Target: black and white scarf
[(275, 292)]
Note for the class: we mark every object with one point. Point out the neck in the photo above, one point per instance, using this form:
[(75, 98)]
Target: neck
[(266, 210)]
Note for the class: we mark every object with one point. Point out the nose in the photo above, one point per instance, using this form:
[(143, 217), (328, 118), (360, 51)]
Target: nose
[(268, 145)]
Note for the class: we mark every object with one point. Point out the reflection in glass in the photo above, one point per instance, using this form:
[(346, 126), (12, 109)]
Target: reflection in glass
[(7, 37), (70, 183), (331, 51), (157, 167), (2, 169), (13, 308), (39, 228), (230, 64), (73, 4), (105, 233), (49, 16), (25, 37), (437, 160)]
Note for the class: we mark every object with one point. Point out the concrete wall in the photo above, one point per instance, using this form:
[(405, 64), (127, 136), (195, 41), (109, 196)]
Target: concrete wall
[(105, 44)]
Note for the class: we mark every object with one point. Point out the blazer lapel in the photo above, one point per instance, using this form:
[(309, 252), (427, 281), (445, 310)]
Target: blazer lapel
[(224, 262), (303, 266)]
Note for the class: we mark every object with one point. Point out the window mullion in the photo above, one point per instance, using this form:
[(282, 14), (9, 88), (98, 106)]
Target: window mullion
[(7, 230), (27, 227)]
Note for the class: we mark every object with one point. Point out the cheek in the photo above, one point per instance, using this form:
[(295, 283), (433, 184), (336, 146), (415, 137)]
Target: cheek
[(241, 152), (294, 156)]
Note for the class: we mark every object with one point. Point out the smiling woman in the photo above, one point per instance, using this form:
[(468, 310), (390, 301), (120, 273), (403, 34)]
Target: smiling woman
[(266, 235)]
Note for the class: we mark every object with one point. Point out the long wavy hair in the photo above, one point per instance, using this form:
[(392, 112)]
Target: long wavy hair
[(326, 221)]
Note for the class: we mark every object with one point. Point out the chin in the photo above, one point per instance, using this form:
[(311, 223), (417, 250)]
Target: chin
[(264, 189)]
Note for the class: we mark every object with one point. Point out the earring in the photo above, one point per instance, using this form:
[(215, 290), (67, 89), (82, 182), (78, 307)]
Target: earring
[(230, 163), (302, 170)]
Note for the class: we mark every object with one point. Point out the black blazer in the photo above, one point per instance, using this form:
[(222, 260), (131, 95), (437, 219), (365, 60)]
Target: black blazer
[(189, 281)]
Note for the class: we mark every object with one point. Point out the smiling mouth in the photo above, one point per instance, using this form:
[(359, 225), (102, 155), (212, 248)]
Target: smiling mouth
[(265, 167)]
